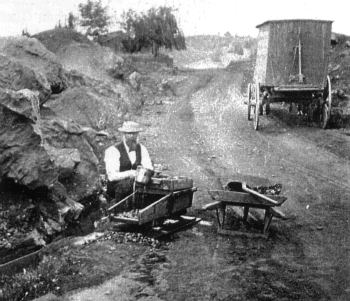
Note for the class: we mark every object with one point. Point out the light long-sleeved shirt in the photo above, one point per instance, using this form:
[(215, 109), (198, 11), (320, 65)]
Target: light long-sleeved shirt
[(112, 162)]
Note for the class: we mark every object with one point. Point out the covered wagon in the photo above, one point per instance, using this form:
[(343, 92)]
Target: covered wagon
[(291, 66)]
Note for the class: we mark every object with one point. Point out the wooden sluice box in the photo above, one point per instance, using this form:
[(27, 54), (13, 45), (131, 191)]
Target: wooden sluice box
[(162, 198)]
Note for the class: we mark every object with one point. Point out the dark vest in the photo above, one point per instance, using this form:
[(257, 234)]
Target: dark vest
[(125, 163)]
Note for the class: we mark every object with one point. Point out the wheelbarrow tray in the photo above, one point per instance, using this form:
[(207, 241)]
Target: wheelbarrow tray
[(169, 205), (246, 198)]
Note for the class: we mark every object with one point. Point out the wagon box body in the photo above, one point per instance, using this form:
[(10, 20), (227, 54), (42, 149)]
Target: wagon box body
[(291, 66), (279, 61)]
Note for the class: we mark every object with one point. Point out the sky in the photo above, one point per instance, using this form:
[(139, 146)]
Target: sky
[(194, 16)]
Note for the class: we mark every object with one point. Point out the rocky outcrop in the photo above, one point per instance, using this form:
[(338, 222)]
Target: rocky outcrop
[(22, 157), (38, 152), (32, 66), (95, 104), (46, 154), (91, 60), (51, 139), (16, 76)]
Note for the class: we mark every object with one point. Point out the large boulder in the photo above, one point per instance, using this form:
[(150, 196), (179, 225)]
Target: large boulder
[(78, 171), (16, 76), (37, 152), (30, 53), (92, 60), (22, 157), (96, 104)]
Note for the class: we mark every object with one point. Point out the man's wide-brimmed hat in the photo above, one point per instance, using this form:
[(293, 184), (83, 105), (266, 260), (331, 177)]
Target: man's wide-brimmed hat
[(130, 127)]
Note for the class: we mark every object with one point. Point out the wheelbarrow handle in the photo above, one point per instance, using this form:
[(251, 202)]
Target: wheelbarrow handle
[(245, 188), (121, 202)]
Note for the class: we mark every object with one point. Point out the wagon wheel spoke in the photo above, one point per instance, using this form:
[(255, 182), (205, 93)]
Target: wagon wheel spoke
[(249, 94), (257, 104), (324, 116), (327, 104)]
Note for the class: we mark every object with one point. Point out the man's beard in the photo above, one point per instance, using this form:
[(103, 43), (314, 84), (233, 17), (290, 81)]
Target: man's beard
[(132, 144)]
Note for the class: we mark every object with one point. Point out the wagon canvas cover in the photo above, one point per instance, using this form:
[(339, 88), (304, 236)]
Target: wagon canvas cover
[(277, 62)]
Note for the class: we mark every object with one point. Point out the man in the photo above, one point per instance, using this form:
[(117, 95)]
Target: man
[(122, 159)]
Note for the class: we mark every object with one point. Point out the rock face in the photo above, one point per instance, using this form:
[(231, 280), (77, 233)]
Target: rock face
[(50, 135), (16, 76), (96, 104), (29, 62), (91, 60), (38, 152), (22, 157), (46, 152)]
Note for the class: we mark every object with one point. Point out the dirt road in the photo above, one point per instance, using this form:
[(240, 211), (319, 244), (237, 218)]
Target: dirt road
[(206, 135), (203, 133)]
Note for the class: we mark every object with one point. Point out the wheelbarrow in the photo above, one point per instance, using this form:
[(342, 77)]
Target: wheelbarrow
[(239, 194)]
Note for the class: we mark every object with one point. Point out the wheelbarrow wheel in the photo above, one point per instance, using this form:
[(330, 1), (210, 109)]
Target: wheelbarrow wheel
[(257, 106), (327, 104), (249, 93)]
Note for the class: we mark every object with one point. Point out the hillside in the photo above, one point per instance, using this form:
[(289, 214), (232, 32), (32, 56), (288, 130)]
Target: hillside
[(339, 71), (210, 51), (57, 38)]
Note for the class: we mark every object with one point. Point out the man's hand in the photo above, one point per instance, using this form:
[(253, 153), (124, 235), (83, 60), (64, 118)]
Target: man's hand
[(131, 173)]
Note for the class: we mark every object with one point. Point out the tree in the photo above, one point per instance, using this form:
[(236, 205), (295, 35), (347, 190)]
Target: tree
[(71, 21), (25, 33), (155, 28), (58, 25), (94, 18), (228, 35)]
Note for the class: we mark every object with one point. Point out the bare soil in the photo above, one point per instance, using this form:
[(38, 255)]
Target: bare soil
[(202, 132)]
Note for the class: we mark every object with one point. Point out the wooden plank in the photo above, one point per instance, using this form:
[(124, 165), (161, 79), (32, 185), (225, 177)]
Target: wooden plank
[(166, 206), (267, 220), (262, 56), (155, 210), (159, 191), (245, 213), (277, 213), (232, 196), (170, 183), (126, 220), (241, 233), (245, 198), (259, 195), (212, 206), (115, 206), (17, 265), (180, 202)]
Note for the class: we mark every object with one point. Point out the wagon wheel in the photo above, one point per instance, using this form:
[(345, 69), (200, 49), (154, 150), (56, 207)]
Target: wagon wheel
[(249, 93), (257, 105), (326, 106), (221, 215)]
